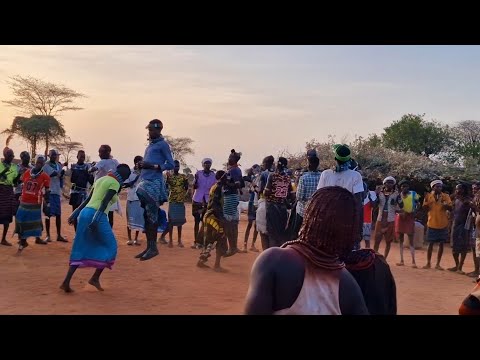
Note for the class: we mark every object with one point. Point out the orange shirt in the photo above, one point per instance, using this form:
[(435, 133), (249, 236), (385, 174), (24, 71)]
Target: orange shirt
[(437, 215), (32, 187)]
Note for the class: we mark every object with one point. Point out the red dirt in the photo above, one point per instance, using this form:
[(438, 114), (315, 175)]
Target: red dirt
[(172, 284)]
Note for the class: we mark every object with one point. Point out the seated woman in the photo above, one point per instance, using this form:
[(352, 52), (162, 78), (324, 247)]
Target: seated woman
[(306, 276), (94, 244)]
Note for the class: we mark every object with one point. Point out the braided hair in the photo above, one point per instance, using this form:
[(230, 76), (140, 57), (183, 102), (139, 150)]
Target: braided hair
[(330, 222)]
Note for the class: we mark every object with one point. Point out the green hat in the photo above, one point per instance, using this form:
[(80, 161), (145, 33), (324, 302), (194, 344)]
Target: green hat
[(342, 152)]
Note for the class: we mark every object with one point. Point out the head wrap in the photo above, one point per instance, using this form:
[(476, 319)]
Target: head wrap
[(342, 152), (389, 178), (435, 182), (207, 160)]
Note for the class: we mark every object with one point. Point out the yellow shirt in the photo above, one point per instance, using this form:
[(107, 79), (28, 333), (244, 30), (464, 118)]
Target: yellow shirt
[(437, 215), (408, 202)]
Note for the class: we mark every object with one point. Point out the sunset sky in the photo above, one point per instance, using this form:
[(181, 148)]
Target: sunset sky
[(256, 99)]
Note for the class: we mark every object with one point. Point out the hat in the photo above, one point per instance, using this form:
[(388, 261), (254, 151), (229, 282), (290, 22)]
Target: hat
[(155, 124), (389, 178), (342, 152), (207, 160), (436, 182)]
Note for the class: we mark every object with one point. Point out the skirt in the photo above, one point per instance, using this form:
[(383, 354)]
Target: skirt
[(97, 249), (76, 199), (406, 224), (7, 204), (230, 207), (176, 214), (367, 231), (28, 221), (135, 220), (215, 234), (277, 221), (261, 216), (437, 235), (55, 208), (460, 239), (152, 194)]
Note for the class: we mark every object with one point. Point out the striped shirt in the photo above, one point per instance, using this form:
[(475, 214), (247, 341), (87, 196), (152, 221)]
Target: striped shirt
[(307, 186)]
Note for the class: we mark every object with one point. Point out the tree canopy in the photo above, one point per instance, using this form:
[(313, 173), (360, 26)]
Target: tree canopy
[(181, 147)]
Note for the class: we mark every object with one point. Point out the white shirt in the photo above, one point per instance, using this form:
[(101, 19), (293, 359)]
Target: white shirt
[(348, 179), (132, 191), (104, 166)]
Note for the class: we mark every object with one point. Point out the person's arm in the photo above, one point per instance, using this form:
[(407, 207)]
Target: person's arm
[(426, 202), (217, 208), (195, 183), (358, 195), (268, 187), (77, 211), (259, 300), (350, 296), (447, 203), (106, 200)]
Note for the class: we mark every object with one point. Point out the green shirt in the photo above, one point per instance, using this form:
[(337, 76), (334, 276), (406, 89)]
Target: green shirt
[(100, 189), (10, 173)]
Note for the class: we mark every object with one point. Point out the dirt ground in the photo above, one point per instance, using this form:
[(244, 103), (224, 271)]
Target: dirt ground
[(172, 284)]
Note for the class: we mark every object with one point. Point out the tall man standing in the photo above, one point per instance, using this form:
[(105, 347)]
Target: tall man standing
[(437, 203), (151, 190), (54, 208), (8, 175)]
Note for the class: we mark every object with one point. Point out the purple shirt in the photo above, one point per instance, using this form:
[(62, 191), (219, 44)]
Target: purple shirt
[(204, 183)]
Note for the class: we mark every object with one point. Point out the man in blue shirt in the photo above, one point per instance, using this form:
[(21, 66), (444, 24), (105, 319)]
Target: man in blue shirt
[(151, 189)]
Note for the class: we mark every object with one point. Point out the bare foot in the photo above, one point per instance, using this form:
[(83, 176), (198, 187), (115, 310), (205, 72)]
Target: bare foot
[(254, 249), (95, 283), (428, 266), (66, 288), (452, 269), (180, 244), (438, 267), (401, 263), (220, 269), (201, 264)]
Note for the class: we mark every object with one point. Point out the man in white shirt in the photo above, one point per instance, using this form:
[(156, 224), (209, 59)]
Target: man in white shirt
[(344, 176)]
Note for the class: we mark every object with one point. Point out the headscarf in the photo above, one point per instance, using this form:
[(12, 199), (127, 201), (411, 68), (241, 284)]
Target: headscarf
[(435, 182), (342, 152), (389, 178), (207, 160)]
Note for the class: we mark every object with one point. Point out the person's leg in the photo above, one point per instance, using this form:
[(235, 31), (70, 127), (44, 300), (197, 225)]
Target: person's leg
[(47, 229), (170, 236), (456, 256), (264, 239), (475, 272), (129, 235), (429, 256), (463, 256), (378, 236), (66, 283), (180, 243), (4, 235), (439, 256), (58, 220), (151, 233), (247, 234), (412, 249), (75, 207), (110, 218), (389, 236), (164, 235), (95, 279), (401, 238), (255, 235)]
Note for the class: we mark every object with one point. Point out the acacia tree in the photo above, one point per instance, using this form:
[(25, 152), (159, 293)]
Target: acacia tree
[(466, 137), (34, 96), (35, 130), (181, 147)]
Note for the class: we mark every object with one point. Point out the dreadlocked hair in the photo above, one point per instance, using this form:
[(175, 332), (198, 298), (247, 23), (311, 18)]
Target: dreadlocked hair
[(330, 223)]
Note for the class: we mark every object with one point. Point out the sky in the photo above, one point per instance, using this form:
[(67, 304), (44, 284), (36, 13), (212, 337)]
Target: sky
[(256, 99)]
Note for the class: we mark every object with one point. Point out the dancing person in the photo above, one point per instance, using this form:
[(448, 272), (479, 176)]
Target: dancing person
[(387, 208), (278, 194), (80, 179), (261, 215), (369, 203), (178, 187), (204, 180), (408, 202), (252, 209), (437, 203), (307, 185), (373, 275), (106, 164), (151, 188), (135, 220), (461, 236), (214, 220), (28, 219), (305, 276), (230, 205), (344, 176), (8, 176), (54, 207), (94, 244), (22, 169), (475, 240)]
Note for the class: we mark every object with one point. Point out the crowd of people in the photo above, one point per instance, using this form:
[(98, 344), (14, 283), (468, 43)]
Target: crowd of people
[(311, 223)]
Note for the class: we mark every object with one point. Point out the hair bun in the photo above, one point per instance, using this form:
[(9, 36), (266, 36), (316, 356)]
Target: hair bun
[(232, 151)]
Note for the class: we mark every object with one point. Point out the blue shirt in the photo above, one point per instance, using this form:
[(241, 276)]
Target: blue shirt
[(157, 153), (307, 186)]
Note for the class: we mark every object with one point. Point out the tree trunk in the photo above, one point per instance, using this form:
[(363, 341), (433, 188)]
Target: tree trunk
[(34, 147), (46, 146)]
